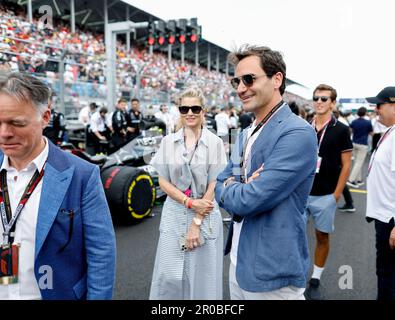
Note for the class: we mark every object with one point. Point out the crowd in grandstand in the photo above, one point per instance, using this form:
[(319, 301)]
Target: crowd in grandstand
[(26, 46)]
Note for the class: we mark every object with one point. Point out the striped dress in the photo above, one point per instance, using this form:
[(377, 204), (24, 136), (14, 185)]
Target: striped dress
[(196, 274)]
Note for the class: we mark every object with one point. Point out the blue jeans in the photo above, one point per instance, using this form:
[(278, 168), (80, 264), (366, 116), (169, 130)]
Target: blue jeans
[(385, 261)]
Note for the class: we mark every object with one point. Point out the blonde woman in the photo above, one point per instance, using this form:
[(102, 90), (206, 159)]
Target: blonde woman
[(189, 258)]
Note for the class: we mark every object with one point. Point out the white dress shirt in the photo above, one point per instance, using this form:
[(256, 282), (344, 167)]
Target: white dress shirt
[(238, 225), (25, 231), (98, 123)]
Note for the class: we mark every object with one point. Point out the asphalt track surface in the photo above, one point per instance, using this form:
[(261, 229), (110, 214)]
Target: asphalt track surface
[(349, 272)]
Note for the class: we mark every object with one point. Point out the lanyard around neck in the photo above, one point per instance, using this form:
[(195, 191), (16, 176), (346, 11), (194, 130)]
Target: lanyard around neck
[(323, 132), (7, 219), (383, 137), (258, 127)]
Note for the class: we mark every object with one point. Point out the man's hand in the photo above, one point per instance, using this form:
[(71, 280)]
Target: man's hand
[(255, 174), (392, 239), (337, 196), (227, 181)]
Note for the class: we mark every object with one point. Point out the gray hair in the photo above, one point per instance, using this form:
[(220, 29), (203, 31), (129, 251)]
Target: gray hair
[(26, 88)]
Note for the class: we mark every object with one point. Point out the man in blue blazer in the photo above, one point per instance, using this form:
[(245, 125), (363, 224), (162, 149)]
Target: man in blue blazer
[(266, 184), (63, 235)]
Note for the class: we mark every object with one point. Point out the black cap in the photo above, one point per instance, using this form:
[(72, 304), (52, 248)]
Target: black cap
[(387, 95)]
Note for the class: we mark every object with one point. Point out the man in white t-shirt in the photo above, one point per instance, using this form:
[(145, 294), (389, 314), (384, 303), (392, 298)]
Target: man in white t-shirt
[(223, 124), (86, 112), (381, 194), (164, 115)]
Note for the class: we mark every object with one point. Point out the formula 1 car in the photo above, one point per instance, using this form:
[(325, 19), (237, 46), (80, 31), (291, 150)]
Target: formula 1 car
[(130, 183)]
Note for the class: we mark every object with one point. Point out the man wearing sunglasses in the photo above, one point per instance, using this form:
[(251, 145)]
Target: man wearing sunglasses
[(266, 184), (380, 205), (333, 168)]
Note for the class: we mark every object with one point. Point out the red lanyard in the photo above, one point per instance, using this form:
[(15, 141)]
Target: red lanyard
[(383, 137), (7, 219)]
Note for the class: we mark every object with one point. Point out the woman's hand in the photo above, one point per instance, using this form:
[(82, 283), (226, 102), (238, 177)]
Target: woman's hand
[(202, 206), (193, 237)]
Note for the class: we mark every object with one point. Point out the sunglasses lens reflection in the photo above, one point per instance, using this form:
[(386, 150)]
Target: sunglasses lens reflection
[(235, 83), (248, 81)]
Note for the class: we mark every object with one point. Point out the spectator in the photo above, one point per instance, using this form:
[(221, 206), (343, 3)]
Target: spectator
[(361, 129), (245, 119), (64, 225), (267, 238), (223, 125), (189, 261), (99, 131), (86, 113), (333, 168), (380, 206), (135, 116), (166, 117)]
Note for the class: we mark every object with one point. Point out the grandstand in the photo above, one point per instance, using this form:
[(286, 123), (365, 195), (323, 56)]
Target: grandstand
[(70, 55)]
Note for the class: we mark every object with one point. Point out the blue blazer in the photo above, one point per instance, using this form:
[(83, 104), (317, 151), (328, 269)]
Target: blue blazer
[(74, 254), (273, 251)]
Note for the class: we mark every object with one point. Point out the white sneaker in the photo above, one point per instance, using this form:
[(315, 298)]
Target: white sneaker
[(352, 184)]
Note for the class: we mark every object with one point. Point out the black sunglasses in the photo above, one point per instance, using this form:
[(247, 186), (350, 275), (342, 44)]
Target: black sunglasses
[(195, 109), (248, 80), (323, 98)]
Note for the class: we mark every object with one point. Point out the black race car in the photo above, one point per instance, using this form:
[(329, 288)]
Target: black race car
[(130, 183)]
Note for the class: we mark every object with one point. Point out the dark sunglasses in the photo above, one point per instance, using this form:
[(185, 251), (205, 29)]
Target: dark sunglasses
[(248, 80), (323, 98), (195, 109)]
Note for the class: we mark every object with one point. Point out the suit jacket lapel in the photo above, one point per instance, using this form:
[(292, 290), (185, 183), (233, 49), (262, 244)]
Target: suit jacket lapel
[(269, 130), (55, 186)]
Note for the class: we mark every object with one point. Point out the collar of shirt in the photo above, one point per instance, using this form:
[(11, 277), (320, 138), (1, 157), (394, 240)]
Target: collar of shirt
[(331, 123), (179, 136), (36, 163)]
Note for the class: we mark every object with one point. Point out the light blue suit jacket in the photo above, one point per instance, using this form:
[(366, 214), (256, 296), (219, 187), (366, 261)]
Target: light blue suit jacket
[(74, 253), (272, 250)]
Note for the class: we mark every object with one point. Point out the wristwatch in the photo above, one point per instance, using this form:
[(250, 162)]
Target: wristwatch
[(197, 221)]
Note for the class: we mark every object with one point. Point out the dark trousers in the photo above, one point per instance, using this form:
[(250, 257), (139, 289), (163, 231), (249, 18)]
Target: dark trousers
[(385, 261), (100, 146), (347, 196)]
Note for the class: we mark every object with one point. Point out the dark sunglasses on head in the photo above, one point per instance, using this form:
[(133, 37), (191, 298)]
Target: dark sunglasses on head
[(248, 80), (323, 98), (195, 109)]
